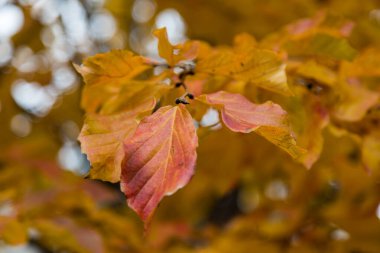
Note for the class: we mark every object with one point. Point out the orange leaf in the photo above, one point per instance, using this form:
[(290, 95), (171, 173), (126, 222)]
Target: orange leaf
[(12, 231), (310, 117), (354, 101), (102, 137), (131, 95), (159, 159), (371, 151), (268, 120), (105, 73), (259, 67), (174, 54), (188, 50), (165, 49), (114, 66)]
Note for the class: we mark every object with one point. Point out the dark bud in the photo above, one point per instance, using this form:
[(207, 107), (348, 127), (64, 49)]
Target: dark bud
[(178, 85), (181, 101), (309, 86), (189, 95), (375, 122), (191, 73)]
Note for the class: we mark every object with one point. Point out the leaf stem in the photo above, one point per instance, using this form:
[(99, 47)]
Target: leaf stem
[(188, 69)]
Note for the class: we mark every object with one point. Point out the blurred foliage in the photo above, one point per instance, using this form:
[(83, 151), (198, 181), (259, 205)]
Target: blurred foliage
[(246, 195)]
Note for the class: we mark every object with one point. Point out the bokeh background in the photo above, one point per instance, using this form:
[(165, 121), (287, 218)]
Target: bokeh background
[(47, 206)]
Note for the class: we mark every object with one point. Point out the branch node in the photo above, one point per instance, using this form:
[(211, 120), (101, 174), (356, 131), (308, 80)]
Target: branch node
[(181, 101)]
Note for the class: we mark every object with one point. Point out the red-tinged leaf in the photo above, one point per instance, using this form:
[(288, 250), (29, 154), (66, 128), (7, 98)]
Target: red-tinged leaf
[(102, 139), (87, 238), (159, 159), (302, 26), (188, 51), (268, 120)]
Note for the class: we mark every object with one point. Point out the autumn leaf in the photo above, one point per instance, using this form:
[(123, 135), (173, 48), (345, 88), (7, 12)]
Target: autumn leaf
[(371, 151), (323, 36), (12, 231), (322, 44), (188, 51), (165, 49), (248, 194), (317, 72), (159, 159), (104, 73), (131, 95), (102, 139), (268, 120), (353, 101), (53, 232), (260, 67), (174, 54), (114, 66), (244, 42), (310, 118), (366, 64)]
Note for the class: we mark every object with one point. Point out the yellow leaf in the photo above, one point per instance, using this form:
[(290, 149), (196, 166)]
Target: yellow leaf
[(353, 101), (244, 42), (104, 73), (318, 72), (260, 67), (322, 44), (174, 54), (371, 151), (52, 235), (366, 64), (309, 118), (131, 95), (12, 231), (165, 49)]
